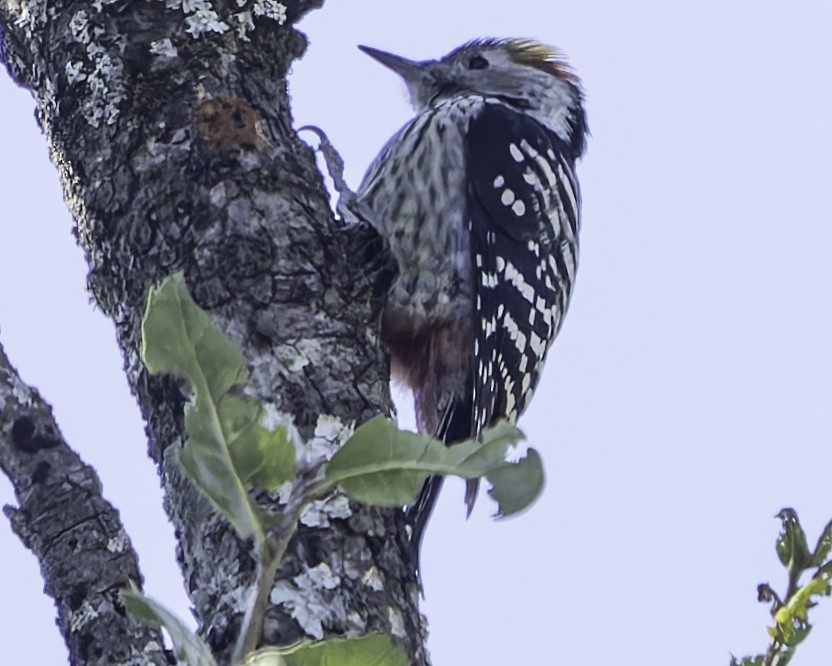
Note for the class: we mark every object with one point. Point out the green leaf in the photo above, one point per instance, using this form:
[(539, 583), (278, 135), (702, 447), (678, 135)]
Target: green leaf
[(265, 657), (791, 542), (277, 455), (187, 646), (370, 465), (516, 486), (792, 618), (178, 336), (823, 547), (227, 446), (825, 571), (385, 466), (784, 657), (263, 458), (369, 650)]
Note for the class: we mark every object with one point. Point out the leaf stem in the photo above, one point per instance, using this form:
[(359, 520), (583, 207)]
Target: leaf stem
[(773, 651), (270, 557)]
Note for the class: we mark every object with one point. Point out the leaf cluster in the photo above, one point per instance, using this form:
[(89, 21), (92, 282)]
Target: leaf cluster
[(791, 613)]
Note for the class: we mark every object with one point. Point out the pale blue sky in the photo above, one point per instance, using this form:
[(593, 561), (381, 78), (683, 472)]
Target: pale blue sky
[(686, 401)]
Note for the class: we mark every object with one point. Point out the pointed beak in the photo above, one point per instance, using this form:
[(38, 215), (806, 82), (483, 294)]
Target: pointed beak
[(410, 70)]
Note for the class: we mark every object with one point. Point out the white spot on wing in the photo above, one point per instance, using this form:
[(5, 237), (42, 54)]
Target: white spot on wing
[(519, 208), (514, 333), (553, 264), (570, 192), (528, 149), (509, 402), (568, 260), (489, 279), (516, 278), (537, 345), (507, 197)]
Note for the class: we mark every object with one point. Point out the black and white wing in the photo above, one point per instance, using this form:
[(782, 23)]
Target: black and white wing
[(524, 217)]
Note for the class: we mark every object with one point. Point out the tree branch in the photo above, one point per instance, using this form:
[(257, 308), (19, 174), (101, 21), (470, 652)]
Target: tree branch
[(84, 553)]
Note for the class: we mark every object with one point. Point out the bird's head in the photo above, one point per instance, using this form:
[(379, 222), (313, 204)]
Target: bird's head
[(522, 73)]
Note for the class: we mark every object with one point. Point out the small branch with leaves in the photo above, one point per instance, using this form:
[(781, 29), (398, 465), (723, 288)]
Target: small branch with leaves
[(236, 445), (790, 613)]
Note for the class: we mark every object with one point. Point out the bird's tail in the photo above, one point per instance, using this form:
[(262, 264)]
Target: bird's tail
[(454, 426)]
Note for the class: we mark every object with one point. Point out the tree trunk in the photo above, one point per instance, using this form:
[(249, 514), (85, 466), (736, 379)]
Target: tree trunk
[(172, 132)]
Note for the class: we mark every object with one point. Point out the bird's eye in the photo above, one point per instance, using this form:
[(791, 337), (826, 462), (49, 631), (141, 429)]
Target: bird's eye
[(477, 62)]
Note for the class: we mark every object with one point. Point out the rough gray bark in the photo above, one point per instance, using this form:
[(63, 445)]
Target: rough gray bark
[(172, 132), (62, 518)]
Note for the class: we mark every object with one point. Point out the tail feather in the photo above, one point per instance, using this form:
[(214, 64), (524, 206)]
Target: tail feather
[(472, 488), (454, 426), (418, 516)]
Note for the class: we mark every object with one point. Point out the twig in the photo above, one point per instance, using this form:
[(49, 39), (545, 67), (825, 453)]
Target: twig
[(277, 540)]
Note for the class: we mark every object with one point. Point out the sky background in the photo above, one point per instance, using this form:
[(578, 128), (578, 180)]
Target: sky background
[(685, 402)]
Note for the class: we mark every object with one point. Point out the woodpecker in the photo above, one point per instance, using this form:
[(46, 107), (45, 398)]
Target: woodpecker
[(478, 201)]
